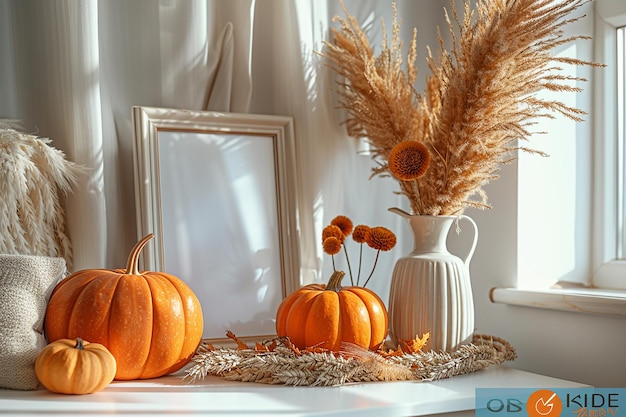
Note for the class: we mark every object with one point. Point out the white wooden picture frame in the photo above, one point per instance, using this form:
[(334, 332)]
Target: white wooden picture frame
[(218, 192)]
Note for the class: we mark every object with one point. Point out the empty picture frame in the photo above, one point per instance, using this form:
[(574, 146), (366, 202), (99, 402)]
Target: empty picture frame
[(218, 192)]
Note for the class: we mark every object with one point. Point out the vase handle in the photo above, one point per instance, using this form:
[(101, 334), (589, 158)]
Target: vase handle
[(400, 212), (469, 255)]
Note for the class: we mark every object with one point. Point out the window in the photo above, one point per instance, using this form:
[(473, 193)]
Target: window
[(621, 141), (598, 258), (609, 256)]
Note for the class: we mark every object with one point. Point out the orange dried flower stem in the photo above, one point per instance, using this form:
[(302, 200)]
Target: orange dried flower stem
[(418, 196), (358, 277), (373, 268), (345, 250)]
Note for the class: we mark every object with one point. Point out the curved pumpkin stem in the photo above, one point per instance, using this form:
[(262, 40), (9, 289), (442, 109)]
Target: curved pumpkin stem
[(132, 266), (334, 282), (79, 344)]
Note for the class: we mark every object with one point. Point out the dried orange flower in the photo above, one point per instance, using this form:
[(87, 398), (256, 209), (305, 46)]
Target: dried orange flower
[(344, 223), (381, 238), (332, 245), (334, 236), (332, 230), (409, 160), (361, 233)]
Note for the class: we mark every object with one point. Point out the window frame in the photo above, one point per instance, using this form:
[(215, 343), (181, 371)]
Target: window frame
[(609, 272)]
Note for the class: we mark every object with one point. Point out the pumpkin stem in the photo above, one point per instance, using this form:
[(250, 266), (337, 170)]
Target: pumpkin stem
[(132, 266), (79, 344), (334, 283)]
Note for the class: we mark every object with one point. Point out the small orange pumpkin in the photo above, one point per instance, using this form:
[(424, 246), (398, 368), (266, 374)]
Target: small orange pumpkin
[(75, 367), (326, 316), (150, 321)]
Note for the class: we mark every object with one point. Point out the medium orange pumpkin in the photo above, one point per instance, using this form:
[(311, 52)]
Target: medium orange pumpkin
[(150, 321), (75, 367), (326, 316)]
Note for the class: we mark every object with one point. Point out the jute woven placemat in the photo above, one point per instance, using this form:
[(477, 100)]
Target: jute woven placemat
[(285, 365)]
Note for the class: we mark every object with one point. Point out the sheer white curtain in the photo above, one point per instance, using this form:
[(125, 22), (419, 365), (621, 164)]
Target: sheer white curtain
[(289, 78), (72, 70), (81, 65)]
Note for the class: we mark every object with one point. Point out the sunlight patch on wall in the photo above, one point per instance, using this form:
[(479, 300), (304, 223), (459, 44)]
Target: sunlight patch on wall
[(547, 196)]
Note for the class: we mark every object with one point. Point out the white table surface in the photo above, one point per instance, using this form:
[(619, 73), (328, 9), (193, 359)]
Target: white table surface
[(171, 395)]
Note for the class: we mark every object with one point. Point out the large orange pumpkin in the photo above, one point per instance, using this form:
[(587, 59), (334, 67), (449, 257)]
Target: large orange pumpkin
[(327, 315), (150, 321)]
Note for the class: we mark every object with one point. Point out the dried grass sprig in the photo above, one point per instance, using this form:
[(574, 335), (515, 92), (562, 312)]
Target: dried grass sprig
[(34, 176), (479, 101)]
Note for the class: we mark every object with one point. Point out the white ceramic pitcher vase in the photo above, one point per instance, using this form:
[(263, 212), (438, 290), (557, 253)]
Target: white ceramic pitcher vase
[(430, 287)]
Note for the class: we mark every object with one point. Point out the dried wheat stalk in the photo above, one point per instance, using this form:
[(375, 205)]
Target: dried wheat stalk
[(284, 366), (479, 99), (483, 352)]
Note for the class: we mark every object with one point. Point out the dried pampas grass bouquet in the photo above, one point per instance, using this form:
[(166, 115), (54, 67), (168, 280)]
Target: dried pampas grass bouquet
[(33, 174), (479, 99)]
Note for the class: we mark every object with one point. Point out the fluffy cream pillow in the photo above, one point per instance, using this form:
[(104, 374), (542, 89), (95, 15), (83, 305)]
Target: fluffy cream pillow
[(26, 282)]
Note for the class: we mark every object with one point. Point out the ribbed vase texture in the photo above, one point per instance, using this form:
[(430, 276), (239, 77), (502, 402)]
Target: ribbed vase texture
[(431, 289)]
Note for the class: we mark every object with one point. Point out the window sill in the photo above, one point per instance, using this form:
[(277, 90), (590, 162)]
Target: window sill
[(575, 299)]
